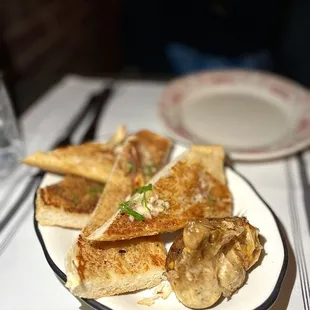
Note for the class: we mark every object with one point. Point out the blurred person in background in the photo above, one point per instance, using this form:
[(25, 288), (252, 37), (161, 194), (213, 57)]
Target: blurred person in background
[(180, 37)]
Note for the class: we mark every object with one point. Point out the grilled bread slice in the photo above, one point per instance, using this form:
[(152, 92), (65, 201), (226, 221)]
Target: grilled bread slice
[(191, 187), (93, 161), (143, 154), (68, 203), (153, 150), (95, 270)]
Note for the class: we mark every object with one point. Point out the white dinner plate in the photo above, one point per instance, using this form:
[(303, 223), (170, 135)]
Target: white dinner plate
[(264, 280), (254, 115)]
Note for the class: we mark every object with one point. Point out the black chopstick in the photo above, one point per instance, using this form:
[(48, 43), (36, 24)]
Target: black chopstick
[(93, 102), (99, 100), (305, 185)]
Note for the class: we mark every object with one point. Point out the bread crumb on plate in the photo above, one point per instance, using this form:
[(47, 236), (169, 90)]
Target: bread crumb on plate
[(161, 291)]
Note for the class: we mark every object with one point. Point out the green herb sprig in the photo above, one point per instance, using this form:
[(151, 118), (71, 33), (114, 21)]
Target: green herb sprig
[(95, 190), (148, 170), (76, 199), (142, 190), (130, 167), (125, 208), (211, 199)]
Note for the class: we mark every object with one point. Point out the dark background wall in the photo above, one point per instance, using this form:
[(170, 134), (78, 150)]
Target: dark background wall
[(41, 40)]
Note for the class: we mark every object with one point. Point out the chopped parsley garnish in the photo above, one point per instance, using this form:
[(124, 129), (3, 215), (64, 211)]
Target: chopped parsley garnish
[(144, 202), (130, 167), (95, 190), (142, 189), (148, 170), (75, 199), (125, 208), (126, 204), (211, 199)]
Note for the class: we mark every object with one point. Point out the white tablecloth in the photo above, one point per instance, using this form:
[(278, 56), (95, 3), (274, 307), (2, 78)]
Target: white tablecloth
[(26, 280)]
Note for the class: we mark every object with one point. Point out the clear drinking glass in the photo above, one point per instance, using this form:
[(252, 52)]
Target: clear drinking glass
[(11, 145)]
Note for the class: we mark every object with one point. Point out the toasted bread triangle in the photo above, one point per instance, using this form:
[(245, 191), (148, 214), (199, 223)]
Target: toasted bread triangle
[(68, 203), (91, 160), (191, 187), (142, 155), (97, 269)]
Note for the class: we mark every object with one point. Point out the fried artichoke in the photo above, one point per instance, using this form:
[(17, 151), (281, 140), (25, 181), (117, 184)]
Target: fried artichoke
[(211, 259)]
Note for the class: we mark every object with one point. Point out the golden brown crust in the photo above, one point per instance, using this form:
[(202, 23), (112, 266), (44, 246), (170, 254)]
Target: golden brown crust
[(51, 216), (97, 269), (72, 194), (133, 257), (90, 160), (122, 181), (143, 147), (68, 203), (192, 193), (213, 159), (93, 161), (154, 150)]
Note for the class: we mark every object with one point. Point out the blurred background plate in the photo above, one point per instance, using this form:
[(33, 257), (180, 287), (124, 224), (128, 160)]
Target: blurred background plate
[(254, 115)]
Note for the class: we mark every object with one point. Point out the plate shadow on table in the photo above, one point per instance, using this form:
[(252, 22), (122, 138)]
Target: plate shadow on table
[(289, 278)]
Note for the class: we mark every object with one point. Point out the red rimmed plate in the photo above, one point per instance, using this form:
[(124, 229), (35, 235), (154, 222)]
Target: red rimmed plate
[(255, 115)]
